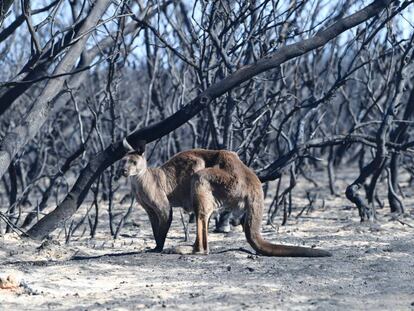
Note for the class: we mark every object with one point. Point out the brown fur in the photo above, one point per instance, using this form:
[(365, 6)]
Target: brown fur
[(201, 181)]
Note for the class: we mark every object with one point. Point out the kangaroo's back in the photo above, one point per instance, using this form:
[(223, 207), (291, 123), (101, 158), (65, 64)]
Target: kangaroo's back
[(182, 166)]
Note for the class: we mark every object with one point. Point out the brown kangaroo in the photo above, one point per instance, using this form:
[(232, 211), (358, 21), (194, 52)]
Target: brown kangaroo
[(201, 181)]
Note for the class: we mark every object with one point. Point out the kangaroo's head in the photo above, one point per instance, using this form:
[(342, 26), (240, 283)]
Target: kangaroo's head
[(135, 164)]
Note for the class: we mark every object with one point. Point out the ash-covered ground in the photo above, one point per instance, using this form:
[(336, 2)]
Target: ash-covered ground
[(372, 267)]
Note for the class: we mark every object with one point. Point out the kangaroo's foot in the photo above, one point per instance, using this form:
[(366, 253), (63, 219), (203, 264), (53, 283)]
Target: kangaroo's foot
[(154, 250), (200, 250)]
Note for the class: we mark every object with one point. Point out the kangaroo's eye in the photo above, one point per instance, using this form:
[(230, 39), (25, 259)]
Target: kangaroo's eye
[(134, 162)]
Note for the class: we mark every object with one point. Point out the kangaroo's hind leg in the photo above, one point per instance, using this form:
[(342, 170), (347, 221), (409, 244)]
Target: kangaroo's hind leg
[(203, 205), (205, 184), (204, 211)]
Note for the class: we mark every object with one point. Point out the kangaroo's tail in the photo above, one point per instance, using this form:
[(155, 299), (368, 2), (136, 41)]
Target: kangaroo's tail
[(252, 229)]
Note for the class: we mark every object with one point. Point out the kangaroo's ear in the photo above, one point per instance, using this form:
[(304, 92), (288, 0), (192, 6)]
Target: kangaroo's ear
[(127, 146), (140, 149)]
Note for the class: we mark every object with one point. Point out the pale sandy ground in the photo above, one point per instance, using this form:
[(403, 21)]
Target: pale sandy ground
[(372, 267)]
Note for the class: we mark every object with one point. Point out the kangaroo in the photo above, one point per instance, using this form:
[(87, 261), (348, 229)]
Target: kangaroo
[(201, 181)]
